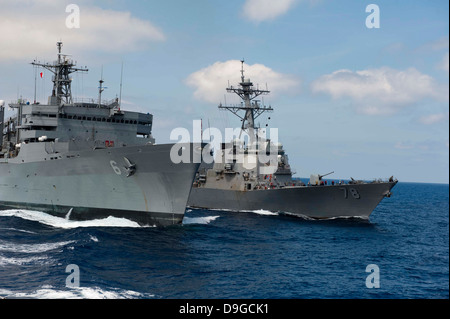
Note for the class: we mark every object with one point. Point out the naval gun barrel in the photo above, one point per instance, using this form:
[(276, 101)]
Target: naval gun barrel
[(320, 176)]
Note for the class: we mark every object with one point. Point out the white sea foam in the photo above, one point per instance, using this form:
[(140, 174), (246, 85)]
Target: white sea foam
[(49, 292), (301, 216), (326, 218), (19, 230), (199, 220), (23, 261), (60, 222), (257, 211), (263, 212), (93, 238), (32, 248)]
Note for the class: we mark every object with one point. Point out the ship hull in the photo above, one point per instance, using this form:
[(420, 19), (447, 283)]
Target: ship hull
[(139, 183), (319, 202)]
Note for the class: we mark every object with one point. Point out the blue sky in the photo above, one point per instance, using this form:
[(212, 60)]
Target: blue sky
[(365, 103)]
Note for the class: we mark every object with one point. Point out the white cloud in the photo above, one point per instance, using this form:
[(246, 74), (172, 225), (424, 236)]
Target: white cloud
[(444, 65), (436, 45), (403, 146), (430, 146), (380, 91), (433, 118), (210, 82), (260, 10), (32, 27)]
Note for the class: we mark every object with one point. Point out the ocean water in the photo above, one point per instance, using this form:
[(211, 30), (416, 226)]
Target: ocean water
[(220, 254)]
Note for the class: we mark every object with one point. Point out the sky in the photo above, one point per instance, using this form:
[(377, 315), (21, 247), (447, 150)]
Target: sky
[(361, 93)]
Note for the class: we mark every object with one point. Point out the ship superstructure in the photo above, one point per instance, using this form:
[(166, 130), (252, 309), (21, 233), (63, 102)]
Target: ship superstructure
[(240, 181), (88, 159)]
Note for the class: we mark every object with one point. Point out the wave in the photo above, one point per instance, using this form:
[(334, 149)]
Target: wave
[(49, 292), (263, 212), (8, 248), (256, 211), (63, 222), (24, 261), (93, 238), (60, 222), (19, 230), (199, 220), (301, 216), (32, 248)]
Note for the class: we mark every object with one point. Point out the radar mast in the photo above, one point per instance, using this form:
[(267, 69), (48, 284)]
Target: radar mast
[(252, 108), (61, 68)]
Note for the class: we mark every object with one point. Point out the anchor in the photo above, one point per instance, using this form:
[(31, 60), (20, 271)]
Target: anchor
[(130, 167)]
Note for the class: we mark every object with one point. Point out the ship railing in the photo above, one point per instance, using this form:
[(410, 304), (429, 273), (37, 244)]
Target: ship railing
[(18, 102), (85, 100)]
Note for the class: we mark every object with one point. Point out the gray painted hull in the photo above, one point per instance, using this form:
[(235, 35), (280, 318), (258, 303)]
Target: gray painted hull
[(349, 200), (94, 184)]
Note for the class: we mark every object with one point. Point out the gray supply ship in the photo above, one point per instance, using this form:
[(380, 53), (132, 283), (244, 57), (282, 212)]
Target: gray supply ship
[(89, 159), (239, 181)]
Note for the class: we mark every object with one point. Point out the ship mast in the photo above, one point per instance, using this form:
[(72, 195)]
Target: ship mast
[(252, 108), (2, 120), (61, 68), (101, 88)]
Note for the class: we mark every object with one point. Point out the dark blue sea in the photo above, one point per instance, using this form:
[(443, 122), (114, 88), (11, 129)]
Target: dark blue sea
[(221, 255)]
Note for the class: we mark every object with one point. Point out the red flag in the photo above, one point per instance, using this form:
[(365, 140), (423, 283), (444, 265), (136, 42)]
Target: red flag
[(41, 74)]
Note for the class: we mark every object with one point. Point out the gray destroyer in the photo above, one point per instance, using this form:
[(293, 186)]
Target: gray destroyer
[(88, 159), (239, 181)]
